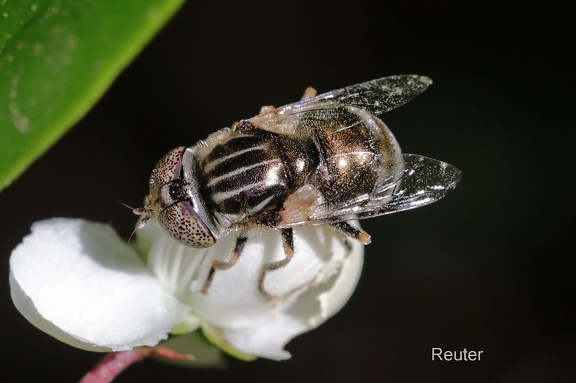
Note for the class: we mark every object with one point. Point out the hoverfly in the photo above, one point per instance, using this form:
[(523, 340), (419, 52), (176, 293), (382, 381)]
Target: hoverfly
[(326, 159)]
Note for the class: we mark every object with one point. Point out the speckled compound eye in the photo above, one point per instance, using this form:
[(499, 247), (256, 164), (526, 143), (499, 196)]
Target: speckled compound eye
[(176, 202), (183, 224), (167, 168)]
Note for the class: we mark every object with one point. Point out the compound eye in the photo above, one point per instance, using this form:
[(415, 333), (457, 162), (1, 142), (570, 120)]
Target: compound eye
[(168, 168), (185, 226)]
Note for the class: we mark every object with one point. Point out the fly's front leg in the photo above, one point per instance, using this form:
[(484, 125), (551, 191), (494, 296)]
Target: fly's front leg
[(221, 265), (308, 93), (288, 245), (353, 232)]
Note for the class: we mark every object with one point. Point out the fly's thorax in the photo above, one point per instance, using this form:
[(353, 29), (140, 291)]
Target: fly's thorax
[(248, 176), (176, 201)]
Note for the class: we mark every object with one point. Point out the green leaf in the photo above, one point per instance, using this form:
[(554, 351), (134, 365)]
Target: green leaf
[(57, 57)]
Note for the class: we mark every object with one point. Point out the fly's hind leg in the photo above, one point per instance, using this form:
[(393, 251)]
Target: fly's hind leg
[(353, 232), (288, 245), (221, 265)]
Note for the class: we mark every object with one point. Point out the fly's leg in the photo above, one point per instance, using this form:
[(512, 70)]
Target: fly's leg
[(288, 245), (353, 232), (308, 93), (221, 265)]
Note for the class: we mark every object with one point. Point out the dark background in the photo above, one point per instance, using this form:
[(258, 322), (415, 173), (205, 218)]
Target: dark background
[(491, 267)]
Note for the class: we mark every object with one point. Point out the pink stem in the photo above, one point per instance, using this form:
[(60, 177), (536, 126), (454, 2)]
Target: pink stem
[(114, 363)]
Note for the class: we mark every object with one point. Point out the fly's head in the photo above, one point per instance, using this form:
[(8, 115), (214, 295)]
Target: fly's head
[(176, 203)]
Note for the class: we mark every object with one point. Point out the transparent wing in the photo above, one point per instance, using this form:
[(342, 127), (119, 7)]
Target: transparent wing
[(422, 181), (376, 96)]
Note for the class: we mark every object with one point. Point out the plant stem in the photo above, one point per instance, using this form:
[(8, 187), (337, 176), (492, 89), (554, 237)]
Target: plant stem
[(114, 363)]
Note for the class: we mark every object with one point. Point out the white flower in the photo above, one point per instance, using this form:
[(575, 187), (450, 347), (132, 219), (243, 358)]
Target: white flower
[(79, 282)]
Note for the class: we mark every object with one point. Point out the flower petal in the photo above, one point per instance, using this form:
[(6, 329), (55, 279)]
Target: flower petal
[(79, 282), (335, 279), (311, 288)]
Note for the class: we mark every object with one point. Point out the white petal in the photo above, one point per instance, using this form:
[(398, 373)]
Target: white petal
[(312, 287), (81, 283), (327, 292)]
